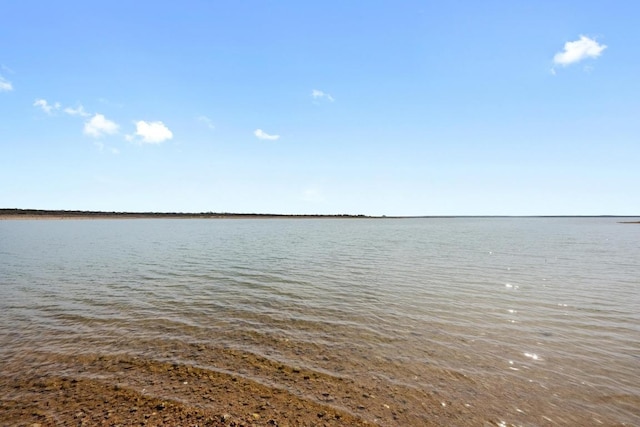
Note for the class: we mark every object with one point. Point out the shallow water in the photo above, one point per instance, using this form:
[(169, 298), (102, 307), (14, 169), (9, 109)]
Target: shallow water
[(523, 321)]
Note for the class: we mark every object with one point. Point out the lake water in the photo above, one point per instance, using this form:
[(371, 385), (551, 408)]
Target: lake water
[(480, 321)]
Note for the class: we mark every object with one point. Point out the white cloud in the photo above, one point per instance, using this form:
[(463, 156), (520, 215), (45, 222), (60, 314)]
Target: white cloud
[(5, 85), (207, 121), (318, 94), (260, 134), (151, 132), (46, 107), (578, 50), (76, 111), (99, 126)]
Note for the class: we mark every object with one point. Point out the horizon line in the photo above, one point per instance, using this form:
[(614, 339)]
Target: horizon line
[(211, 214)]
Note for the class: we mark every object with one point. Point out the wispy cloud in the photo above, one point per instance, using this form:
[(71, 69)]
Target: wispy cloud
[(105, 101), (101, 147), (49, 108), (207, 121), (99, 126), (318, 95), (45, 106), (313, 195), (150, 133), (578, 50), (79, 111), (5, 85), (260, 134)]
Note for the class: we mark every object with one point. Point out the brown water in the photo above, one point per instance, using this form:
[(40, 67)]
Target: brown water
[(468, 321)]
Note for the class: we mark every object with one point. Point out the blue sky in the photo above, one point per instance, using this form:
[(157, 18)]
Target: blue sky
[(359, 107)]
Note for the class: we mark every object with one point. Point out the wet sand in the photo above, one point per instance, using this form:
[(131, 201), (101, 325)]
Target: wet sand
[(190, 397), (101, 390)]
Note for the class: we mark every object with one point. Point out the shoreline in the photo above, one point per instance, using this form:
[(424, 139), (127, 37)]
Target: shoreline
[(41, 214), (34, 214)]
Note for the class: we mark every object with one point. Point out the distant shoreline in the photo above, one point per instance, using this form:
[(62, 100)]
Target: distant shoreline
[(41, 214), (34, 214)]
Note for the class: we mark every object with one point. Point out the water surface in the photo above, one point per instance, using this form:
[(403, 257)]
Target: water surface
[(523, 321)]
